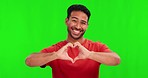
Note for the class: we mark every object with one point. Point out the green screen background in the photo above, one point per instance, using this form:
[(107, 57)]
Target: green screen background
[(28, 26)]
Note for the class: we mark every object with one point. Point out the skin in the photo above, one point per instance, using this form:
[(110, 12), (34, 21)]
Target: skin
[(77, 24)]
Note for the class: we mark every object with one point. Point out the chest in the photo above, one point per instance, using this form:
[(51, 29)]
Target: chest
[(81, 64)]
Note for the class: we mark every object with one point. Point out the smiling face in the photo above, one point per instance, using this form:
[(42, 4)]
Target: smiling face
[(77, 24)]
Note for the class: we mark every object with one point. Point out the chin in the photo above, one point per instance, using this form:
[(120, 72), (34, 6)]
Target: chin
[(76, 37)]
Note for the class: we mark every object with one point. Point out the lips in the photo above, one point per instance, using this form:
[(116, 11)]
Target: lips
[(76, 32)]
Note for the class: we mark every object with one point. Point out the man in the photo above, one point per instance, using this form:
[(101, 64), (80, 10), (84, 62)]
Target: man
[(76, 57)]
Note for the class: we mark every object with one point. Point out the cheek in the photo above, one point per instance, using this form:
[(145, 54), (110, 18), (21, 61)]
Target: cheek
[(69, 27), (71, 24), (85, 28)]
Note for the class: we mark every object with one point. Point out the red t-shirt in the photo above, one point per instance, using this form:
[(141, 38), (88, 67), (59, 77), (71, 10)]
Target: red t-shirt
[(84, 68)]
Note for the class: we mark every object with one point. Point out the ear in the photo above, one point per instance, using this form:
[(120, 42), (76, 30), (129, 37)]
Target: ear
[(66, 21)]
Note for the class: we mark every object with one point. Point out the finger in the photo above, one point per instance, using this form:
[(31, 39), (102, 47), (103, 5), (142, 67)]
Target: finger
[(69, 45), (76, 44), (65, 47), (71, 60), (65, 51), (75, 59)]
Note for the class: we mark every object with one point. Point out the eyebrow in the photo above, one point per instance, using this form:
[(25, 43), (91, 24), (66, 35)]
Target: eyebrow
[(77, 18), (74, 17)]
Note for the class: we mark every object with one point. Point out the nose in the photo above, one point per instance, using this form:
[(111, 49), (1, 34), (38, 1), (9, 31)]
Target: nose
[(78, 26)]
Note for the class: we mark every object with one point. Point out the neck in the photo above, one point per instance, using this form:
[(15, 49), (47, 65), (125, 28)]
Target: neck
[(80, 40)]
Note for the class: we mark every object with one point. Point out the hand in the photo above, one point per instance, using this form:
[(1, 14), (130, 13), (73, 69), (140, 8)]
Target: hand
[(62, 53), (83, 54)]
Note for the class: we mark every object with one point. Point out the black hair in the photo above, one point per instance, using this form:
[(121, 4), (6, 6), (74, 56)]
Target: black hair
[(78, 7)]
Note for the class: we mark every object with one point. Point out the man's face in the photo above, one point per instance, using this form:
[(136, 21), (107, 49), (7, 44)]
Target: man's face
[(77, 24)]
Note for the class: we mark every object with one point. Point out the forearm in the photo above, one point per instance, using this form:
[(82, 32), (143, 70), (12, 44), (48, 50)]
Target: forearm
[(39, 59), (107, 58)]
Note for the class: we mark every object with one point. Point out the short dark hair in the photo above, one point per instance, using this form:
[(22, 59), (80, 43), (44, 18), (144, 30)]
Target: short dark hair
[(78, 7)]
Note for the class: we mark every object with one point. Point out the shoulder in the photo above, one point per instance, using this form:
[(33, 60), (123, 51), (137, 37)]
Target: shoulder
[(103, 47), (60, 44), (97, 45), (54, 47), (94, 43)]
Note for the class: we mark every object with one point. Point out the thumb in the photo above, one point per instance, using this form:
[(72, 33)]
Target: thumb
[(71, 60), (77, 44), (75, 59), (69, 44)]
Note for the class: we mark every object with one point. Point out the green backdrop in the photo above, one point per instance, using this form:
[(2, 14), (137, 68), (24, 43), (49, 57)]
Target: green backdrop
[(28, 26)]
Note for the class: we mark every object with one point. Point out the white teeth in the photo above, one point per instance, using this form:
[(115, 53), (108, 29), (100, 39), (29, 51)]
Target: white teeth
[(76, 31)]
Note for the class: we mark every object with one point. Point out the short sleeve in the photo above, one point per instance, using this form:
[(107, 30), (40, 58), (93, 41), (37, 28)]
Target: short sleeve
[(48, 50), (102, 47), (52, 48), (105, 48)]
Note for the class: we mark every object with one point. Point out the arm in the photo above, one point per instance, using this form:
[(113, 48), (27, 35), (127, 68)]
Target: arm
[(107, 58), (39, 59)]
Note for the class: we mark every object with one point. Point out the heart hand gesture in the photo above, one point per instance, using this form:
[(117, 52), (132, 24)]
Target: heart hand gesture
[(83, 54), (62, 53)]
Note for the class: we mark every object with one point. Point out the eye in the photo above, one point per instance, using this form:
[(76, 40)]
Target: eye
[(74, 20), (83, 23)]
